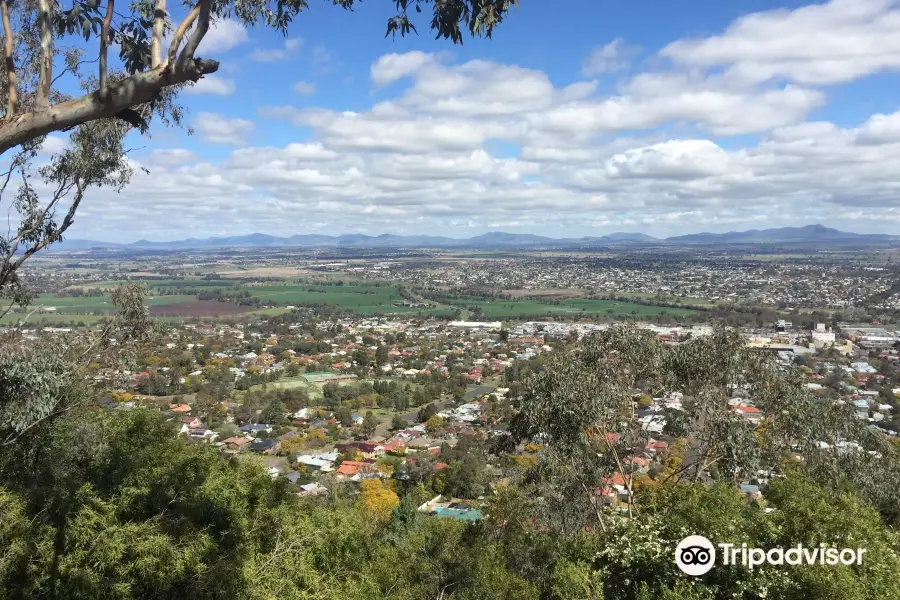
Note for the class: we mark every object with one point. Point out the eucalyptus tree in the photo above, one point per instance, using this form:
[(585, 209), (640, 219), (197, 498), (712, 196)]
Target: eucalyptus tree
[(43, 379), (582, 408)]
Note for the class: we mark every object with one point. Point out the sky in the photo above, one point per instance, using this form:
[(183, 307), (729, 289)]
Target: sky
[(578, 118)]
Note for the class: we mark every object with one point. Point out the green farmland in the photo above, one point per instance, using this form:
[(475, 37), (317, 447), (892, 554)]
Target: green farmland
[(88, 309), (96, 304), (364, 300), (359, 299)]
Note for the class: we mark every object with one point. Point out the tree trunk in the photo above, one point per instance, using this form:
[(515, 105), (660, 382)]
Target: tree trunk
[(46, 67)]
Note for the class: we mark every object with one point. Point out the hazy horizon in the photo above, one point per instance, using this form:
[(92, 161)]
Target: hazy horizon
[(473, 235)]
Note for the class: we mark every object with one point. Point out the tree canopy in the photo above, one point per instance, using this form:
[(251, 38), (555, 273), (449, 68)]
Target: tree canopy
[(113, 504)]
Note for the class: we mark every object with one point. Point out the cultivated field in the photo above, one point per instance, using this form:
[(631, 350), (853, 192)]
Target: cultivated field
[(359, 299), (95, 304), (199, 308)]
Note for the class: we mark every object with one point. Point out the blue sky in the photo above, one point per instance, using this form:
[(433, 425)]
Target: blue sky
[(577, 118)]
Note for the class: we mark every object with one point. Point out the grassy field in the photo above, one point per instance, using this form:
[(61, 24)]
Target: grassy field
[(314, 389), (95, 304), (359, 299), (85, 309), (271, 312), (289, 383)]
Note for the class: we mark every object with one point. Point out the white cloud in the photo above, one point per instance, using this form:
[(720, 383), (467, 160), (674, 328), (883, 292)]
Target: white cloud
[(217, 129), (880, 129), (223, 35), (391, 67), (384, 132), (54, 144), (819, 44), (479, 88), (212, 84), (675, 159), (171, 157), (305, 88), (288, 50), (610, 58), (721, 111)]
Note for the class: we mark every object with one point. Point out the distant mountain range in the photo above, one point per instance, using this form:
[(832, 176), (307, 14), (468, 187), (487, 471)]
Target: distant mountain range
[(810, 234)]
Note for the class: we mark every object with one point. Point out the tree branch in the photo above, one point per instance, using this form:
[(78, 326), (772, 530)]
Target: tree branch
[(13, 165), (12, 437), (7, 309), (179, 33), (104, 46), (13, 98), (71, 70), (137, 89), (46, 68), (197, 36), (159, 30), (12, 266)]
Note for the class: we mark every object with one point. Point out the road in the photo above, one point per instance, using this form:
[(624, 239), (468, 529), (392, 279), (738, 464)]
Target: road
[(478, 391), (412, 417)]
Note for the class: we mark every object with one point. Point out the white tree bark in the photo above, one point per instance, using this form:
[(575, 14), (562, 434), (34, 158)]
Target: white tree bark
[(13, 93), (159, 30), (42, 101), (179, 33), (104, 47)]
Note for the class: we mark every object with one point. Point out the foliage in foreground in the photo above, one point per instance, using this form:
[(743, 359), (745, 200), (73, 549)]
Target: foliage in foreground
[(113, 505)]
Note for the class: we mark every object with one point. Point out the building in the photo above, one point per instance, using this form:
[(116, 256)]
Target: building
[(476, 324), (822, 336), (876, 338)]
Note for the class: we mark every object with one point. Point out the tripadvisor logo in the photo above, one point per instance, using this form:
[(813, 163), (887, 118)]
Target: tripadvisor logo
[(696, 555)]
